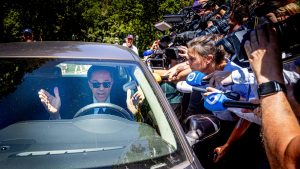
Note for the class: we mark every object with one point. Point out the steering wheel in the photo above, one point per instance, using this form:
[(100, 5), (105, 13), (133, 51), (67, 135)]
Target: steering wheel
[(119, 109)]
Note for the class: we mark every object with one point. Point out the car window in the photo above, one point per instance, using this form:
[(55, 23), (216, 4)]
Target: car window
[(73, 69), (136, 136)]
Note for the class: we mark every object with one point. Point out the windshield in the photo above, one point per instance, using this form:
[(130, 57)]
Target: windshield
[(67, 113)]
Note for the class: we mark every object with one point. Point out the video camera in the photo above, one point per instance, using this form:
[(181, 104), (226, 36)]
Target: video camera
[(287, 31), (184, 28), (161, 59), (178, 22), (219, 26)]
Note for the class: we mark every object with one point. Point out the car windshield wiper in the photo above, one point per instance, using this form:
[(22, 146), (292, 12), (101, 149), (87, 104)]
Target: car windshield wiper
[(70, 151)]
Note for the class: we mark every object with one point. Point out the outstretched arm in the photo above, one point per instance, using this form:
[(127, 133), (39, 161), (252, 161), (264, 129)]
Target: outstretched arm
[(51, 103), (238, 131), (178, 72), (280, 126)]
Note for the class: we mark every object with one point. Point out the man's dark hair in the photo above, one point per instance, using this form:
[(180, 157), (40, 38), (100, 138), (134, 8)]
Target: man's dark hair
[(240, 13), (212, 3), (93, 69)]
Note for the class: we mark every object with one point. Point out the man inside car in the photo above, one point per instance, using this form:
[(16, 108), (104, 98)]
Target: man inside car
[(100, 82)]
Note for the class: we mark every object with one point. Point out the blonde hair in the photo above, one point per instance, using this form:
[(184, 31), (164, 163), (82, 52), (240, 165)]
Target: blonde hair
[(205, 45)]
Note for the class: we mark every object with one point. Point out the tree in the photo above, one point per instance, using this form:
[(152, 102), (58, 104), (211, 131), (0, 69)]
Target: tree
[(88, 20)]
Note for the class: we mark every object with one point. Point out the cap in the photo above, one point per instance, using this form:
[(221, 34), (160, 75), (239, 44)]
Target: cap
[(199, 5), (130, 36), (196, 2), (27, 31)]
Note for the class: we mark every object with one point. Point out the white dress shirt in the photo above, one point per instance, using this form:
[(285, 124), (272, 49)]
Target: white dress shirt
[(96, 101)]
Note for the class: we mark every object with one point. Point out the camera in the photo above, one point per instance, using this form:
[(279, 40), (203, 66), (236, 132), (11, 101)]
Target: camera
[(220, 25), (287, 32), (155, 59), (233, 44), (180, 22), (161, 59), (185, 27)]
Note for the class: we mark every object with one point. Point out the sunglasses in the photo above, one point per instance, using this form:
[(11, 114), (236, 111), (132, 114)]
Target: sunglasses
[(98, 84)]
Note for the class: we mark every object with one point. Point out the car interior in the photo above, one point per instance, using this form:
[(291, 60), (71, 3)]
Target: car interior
[(72, 89)]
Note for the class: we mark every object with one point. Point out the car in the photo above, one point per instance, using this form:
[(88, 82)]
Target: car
[(29, 138)]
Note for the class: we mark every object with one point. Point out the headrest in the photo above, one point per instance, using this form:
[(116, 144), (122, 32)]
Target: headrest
[(49, 72)]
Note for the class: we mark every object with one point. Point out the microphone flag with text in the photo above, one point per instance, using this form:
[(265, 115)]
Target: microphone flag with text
[(220, 102), (195, 78)]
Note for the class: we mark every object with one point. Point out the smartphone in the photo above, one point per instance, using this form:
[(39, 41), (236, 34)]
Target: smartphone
[(132, 85)]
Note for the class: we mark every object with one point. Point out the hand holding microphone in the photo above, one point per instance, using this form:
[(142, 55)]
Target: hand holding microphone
[(220, 102), (216, 101), (159, 78)]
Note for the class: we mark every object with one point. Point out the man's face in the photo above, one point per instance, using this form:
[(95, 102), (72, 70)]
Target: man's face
[(129, 42), (27, 37), (101, 83)]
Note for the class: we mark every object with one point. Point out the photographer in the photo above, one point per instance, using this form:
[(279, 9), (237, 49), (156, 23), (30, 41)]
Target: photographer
[(237, 18), (282, 141), (168, 87), (244, 77), (225, 78)]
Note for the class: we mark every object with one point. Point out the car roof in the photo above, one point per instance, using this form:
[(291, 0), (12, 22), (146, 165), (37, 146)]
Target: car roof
[(67, 49)]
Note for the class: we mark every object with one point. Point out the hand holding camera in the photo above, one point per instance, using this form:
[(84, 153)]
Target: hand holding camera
[(264, 54)]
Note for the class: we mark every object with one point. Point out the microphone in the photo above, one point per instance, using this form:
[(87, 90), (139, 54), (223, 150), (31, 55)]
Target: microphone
[(183, 87), (195, 78), (219, 102)]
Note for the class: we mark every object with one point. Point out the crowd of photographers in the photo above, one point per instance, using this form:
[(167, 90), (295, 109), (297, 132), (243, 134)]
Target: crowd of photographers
[(236, 61)]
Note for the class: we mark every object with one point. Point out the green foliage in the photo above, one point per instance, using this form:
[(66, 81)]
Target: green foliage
[(12, 24), (88, 20)]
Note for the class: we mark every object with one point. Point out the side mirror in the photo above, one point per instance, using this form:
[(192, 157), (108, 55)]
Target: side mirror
[(200, 127)]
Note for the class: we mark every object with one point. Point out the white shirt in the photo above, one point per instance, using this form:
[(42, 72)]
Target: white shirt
[(96, 101), (134, 48)]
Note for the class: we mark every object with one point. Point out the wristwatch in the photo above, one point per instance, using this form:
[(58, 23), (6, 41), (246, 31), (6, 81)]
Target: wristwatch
[(269, 88)]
